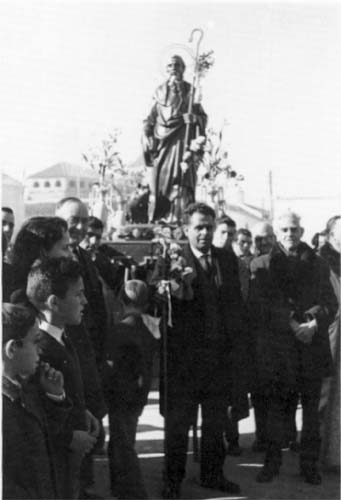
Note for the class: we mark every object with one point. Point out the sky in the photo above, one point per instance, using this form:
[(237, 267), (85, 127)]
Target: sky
[(74, 71)]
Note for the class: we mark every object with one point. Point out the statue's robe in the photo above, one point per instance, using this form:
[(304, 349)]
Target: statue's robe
[(166, 125)]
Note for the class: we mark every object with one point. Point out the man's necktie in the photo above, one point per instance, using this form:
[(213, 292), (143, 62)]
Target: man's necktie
[(205, 263)]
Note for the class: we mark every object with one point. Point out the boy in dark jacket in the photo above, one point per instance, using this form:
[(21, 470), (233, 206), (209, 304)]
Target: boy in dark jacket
[(56, 289), (32, 413), (127, 380)]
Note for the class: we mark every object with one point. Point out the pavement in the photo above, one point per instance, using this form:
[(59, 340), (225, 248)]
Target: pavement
[(242, 469)]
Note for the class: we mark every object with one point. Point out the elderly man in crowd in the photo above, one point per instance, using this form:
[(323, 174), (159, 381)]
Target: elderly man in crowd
[(263, 241), (263, 238), (292, 304)]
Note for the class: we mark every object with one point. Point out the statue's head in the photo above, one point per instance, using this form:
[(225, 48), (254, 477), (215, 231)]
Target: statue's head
[(176, 67)]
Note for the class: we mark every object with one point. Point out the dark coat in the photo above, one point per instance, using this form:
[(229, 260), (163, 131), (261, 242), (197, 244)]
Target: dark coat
[(7, 281), (94, 314), (196, 362), (66, 361), (128, 372), (93, 393), (282, 287), (30, 424)]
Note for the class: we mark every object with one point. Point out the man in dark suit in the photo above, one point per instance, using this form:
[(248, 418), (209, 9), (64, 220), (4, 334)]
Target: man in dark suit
[(291, 304), (75, 213), (198, 348)]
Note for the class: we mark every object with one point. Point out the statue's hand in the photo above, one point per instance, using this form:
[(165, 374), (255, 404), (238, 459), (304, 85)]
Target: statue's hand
[(189, 118), (148, 143)]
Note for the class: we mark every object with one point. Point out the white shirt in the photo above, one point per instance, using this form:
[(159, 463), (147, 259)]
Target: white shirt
[(198, 254), (52, 330)]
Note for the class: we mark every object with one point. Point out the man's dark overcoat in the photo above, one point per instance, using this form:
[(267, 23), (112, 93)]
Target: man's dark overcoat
[(284, 286), (206, 358)]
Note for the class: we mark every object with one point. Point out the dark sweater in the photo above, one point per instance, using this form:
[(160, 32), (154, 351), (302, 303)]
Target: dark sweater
[(128, 371)]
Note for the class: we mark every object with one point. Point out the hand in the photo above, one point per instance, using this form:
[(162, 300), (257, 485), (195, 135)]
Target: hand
[(294, 325), (189, 118), (306, 331), (51, 380), (174, 285), (92, 424), (82, 442), (148, 142)]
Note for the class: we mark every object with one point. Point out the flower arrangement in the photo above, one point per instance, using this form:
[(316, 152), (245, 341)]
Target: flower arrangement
[(179, 275), (204, 63), (106, 158)]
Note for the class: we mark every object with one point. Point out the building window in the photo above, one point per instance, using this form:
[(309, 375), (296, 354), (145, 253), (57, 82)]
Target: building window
[(36, 184), (72, 184), (58, 184), (47, 184)]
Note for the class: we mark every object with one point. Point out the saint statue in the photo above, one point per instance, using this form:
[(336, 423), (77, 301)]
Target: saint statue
[(164, 137)]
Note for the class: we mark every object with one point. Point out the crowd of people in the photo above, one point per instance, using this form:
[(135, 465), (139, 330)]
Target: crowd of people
[(251, 317)]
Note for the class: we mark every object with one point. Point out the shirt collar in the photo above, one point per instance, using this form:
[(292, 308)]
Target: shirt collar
[(52, 330), (197, 254), (11, 388)]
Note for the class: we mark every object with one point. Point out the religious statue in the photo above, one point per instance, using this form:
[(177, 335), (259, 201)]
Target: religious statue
[(172, 123)]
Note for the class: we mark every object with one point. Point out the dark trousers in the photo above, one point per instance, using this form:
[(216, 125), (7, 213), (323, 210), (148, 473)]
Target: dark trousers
[(277, 420), (181, 416), (260, 403), (125, 474), (231, 428)]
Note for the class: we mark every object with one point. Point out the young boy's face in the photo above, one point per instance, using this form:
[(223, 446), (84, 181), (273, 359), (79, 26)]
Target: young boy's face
[(25, 359), (71, 307)]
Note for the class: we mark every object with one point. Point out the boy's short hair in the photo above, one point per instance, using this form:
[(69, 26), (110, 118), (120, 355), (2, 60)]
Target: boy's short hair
[(135, 293), (51, 276), (16, 321), (200, 208)]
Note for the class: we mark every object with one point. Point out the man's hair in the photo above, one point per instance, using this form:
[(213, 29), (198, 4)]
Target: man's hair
[(36, 236), (135, 293), (244, 232), (8, 210), (288, 214), (331, 224), (51, 276), (262, 227), (197, 207), (95, 223), (67, 200), (16, 321), (225, 219)]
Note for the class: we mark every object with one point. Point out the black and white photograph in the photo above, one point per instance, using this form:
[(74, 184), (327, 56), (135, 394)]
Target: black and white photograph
[(171, 240)]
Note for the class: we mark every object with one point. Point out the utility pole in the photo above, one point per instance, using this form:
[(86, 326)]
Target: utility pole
[(271, 195)]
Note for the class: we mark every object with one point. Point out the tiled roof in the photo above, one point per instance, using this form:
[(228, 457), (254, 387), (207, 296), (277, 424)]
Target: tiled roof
[(64, 169)]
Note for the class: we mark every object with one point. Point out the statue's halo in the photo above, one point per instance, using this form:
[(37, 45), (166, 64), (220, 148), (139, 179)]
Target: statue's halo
[(181, 50)]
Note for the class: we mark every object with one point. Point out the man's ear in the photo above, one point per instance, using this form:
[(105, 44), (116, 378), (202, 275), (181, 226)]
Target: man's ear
[(10, 347), (52, 303), (185, 229), (302, 231)]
